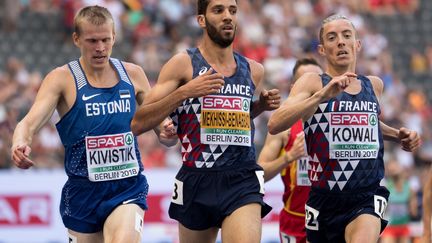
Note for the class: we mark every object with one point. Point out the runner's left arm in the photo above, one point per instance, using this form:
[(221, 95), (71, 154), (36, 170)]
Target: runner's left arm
[(268, 99), (408, 139)]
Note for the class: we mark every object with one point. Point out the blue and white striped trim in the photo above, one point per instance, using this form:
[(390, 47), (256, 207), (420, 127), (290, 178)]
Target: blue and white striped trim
[(121, 71), (78, 74)]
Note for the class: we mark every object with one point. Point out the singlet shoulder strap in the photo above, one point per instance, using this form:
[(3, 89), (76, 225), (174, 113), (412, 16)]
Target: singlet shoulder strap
[(121, 70), (78, 74)]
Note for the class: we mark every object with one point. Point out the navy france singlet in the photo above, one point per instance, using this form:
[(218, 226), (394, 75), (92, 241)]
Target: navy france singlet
[(344, 141), (96, 133), (217, 131)]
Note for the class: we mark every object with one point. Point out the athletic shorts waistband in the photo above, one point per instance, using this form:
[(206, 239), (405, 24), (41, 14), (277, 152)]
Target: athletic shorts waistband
[(243, 166), (370, 188), (85, 180)]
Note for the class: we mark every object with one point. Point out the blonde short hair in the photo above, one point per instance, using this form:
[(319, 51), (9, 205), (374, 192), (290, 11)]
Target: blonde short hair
[(96, 15)]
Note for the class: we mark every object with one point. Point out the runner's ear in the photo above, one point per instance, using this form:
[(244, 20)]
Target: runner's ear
[(201, 21)]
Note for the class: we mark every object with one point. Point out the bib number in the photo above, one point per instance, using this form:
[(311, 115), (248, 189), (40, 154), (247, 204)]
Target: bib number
[(380, 205), (311, 218), (177, 195), (288, 238)]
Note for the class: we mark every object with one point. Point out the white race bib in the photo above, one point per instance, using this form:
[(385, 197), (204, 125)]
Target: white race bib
[(111, 157), (225, 120), (353, 135), (302, 172)]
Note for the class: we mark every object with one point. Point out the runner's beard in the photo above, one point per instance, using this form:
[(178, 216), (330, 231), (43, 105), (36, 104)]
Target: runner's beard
[(217, 38)]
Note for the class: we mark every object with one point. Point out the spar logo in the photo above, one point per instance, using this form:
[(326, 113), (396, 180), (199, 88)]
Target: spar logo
[(245, 105), (25, 210), (373, 120), (351, 119), (225, 103), (109, 141)]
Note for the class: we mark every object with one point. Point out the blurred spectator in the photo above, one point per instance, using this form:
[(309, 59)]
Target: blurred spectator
[(428, 54), (8, 90), (69, 8), (407, 6), (419, 63), (152, 153), (9, 14), (381, 7), (374, 43), (402, 204), (48, 143), (118, 12), (16, 71), (303, 11), (7, 125)]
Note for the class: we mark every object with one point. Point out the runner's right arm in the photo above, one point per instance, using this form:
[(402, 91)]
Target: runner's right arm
[(270, 158), (47, 99), (172, 88)]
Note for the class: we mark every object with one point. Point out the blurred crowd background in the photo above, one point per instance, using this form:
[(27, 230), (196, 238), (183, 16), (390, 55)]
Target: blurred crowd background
[(396, 35)]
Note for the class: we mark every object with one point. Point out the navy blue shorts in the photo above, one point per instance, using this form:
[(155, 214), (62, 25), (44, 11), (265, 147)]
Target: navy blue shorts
[(202, 199), (85, 205), (327, 215)]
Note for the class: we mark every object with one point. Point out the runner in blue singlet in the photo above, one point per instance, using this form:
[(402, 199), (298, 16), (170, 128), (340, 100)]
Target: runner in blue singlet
[(105, 196)]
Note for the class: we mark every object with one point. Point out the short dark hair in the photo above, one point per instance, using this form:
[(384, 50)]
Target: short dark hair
[(202, 6), (304, 61)]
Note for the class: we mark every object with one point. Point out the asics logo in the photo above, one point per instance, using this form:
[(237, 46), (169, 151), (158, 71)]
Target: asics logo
[(85, 98), (203, 70)]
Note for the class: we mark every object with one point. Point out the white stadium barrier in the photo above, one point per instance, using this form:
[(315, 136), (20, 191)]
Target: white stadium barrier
[(29, 207)]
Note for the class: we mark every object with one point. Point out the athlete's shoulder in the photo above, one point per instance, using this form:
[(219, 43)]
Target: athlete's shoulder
[(59, 80), (59, 73), (257, 70), (310, 81), (181, 58), (375, 80), (311, 76), (178, 67), (254, 64), (132, 68), (377, 83)]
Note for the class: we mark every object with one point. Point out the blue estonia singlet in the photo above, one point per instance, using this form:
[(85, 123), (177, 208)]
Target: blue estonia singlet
[(217, 131), (96, 131), (344, 141)]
